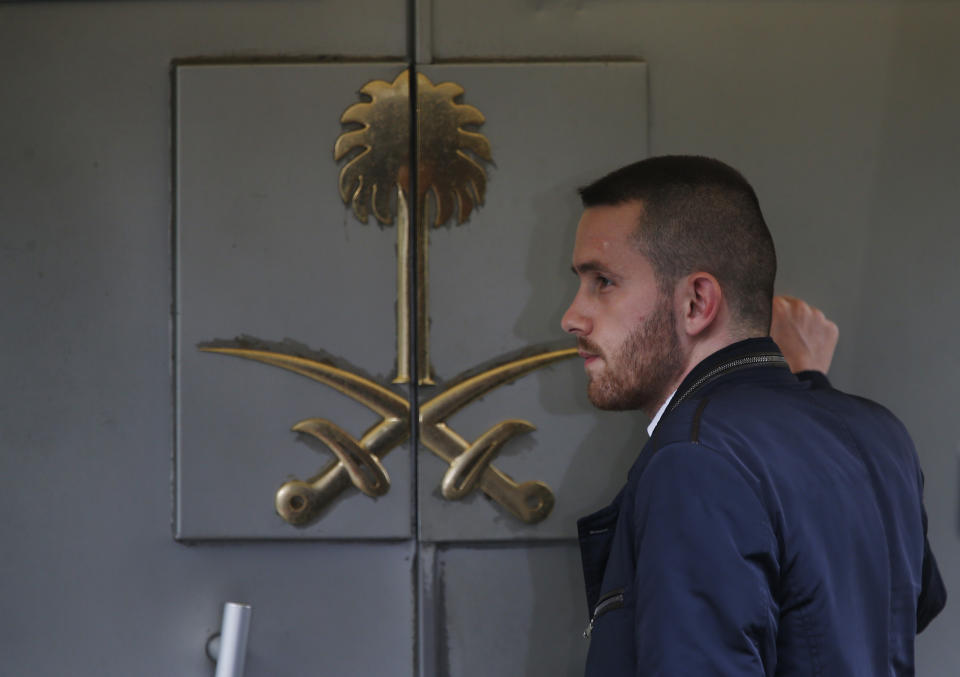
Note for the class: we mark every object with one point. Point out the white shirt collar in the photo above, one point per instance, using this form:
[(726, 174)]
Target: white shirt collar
[(656, 419)]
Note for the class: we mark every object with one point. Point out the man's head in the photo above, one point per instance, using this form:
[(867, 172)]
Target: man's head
[(675, 261)]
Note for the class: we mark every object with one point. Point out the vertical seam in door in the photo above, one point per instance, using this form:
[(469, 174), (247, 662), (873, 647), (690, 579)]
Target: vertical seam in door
[(412, 292)]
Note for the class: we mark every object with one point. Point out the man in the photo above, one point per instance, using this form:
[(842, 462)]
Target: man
[(772, 525)]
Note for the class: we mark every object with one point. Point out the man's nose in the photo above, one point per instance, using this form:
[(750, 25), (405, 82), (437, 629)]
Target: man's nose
[(574, 321)]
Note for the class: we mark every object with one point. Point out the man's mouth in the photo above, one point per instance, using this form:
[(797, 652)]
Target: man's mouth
[(587, 356)]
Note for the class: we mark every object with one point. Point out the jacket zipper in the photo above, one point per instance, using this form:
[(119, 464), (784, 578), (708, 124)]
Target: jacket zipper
[(773, 359), (608, 602)]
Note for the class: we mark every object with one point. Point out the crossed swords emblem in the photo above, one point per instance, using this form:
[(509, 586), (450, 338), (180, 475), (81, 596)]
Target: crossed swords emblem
[(449, 171), (359, 461)]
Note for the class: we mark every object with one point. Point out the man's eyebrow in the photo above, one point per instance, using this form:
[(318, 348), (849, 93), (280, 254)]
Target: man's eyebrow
[(588, 267)]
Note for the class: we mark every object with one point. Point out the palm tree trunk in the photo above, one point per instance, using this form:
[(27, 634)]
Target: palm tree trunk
[(421, 240)]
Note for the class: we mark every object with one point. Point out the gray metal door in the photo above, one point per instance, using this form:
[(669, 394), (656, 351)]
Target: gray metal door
[(347, 382)]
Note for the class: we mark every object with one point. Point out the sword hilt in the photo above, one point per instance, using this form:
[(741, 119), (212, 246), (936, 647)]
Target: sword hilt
[(529, 502)]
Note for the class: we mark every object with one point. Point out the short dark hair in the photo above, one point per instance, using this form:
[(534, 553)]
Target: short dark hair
[(699, 214)]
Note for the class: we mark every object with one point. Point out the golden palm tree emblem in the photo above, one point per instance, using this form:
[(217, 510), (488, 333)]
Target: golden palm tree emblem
[(451, 180)]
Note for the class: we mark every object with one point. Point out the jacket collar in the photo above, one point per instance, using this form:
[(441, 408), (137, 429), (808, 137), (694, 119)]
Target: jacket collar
[(755, 353), (746, 354)]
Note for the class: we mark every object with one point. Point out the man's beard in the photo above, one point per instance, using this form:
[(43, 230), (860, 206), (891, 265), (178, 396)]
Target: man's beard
[(644, 367)]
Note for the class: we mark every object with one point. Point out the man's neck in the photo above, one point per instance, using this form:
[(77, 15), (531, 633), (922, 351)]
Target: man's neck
[(699, 351), (703, 347)]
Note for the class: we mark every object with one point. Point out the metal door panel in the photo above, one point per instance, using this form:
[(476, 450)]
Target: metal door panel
[(266, 249), (317, 608), (500, 282), (510, 611)]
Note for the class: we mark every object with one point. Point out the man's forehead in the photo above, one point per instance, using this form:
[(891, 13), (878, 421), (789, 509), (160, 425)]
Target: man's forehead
[(605, 230)]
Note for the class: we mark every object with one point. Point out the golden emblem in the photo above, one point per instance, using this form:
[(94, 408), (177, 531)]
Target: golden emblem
[(376, 179), (448, 171)]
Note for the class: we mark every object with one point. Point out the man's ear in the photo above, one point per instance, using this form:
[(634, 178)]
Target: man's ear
[(701, 299)]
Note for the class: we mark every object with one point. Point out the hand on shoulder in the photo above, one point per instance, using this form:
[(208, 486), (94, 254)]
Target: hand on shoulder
[(804, 334)]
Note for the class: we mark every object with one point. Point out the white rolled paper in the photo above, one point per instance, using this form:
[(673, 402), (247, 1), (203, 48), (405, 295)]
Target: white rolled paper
[(233, 640)]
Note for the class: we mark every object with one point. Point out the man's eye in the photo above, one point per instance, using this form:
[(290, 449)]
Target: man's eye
[(603, 281)]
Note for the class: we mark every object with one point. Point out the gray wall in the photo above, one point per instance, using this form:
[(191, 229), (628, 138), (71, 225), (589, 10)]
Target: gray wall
[(842, 113)]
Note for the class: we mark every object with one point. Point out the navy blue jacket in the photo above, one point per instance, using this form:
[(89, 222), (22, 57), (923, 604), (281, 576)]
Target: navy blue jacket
[(771, 526)]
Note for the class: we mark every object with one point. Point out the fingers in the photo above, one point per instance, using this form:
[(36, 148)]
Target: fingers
[(805, 335), (798, 312)]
